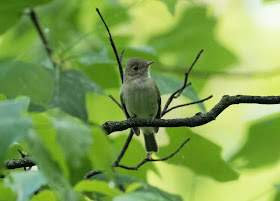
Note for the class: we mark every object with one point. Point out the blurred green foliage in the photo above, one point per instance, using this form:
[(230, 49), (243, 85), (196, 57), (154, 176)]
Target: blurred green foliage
[(57, 121)]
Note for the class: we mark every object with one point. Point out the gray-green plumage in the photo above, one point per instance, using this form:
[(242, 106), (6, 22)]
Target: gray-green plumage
[(140, 98)]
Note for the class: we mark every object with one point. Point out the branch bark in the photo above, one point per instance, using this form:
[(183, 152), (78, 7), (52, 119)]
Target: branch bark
[(19, 163), (197, 120)]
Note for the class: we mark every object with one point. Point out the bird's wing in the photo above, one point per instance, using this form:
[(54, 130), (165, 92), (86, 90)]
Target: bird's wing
[(135, 129), (159, 108)]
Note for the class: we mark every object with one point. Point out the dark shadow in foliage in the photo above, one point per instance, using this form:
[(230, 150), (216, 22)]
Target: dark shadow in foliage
[(262, 145)]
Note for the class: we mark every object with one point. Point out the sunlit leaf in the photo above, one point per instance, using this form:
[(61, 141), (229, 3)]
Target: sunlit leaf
[(97, 187), (199, 154), (262, 145), (13, 125), (170, 4), (6, 192), (45, 195), (21, 78), (71, 92)]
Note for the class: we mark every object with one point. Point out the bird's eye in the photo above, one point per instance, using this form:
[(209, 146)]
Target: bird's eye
[(135, 67)]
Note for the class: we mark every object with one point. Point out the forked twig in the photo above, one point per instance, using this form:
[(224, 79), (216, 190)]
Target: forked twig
[(195, 102), (148, 159), (177, 93)]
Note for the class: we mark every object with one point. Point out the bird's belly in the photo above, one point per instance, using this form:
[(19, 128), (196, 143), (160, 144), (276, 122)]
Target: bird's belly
[(142, 103)]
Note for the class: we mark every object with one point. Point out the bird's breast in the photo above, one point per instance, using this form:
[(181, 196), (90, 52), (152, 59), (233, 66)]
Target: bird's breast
[(140, 99)]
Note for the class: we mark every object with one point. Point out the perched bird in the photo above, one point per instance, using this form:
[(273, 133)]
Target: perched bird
[(140, 98)]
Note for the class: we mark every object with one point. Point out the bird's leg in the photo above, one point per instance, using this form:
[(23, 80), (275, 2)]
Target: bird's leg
[(149, 155)]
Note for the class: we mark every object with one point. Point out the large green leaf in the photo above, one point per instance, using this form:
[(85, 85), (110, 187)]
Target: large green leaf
[(75, 140), (168, 85), (262, 145), (6, 192), (13, 125), (170, 4), (199, 154), (11, 11), (194, 31), (45, 195), (50, 168), (71, 91), (102, 152), (21, 78), (97, 187), (24, 184), (68, 140)]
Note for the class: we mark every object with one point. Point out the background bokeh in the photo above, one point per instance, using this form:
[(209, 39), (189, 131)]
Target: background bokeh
[(56, 119)]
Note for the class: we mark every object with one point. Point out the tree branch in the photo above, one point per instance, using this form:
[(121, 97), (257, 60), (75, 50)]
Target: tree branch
[(113, 45), (43, 38), (19, 163), (197, 120)]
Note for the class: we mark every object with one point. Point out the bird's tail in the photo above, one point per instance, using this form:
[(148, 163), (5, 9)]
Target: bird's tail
[(150, 142)]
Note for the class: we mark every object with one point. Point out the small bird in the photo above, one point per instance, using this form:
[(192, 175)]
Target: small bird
[(140, 98)]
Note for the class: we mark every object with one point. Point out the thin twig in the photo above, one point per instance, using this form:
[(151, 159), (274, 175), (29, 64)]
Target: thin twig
[(92, 173), (112, 44), (195, 102), (22, 156), (120, 106), (127, 142), (177, 93), (36, 23), (148, 159)]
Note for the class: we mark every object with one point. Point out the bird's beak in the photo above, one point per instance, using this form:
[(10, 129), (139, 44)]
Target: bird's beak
[(149, 63)]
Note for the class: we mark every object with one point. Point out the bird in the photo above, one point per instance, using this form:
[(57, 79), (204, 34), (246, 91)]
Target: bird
[(140, 98)]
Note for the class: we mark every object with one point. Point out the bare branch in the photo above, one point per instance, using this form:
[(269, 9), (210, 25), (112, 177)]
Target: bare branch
[(148, 159), (195, 102), (127, 142), (92, 173), (43, 38), (19, 163), (197, 120), (113, 45), (120, 106), (177, 93)]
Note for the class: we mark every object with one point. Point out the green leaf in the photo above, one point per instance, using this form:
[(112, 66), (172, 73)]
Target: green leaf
[(102, 153), (71, 92), (140, 196), (6, 192), (97, 187), (168, 85), (11, 11), (45, 195), (140, 186), (50, 168), (13, 125), (194, 31), (21, 78), (25, 183), (68, 142), (199, 154), (75, 140), (262, 144)]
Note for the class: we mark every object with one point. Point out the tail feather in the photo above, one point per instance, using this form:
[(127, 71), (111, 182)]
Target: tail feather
[(150, 142)]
